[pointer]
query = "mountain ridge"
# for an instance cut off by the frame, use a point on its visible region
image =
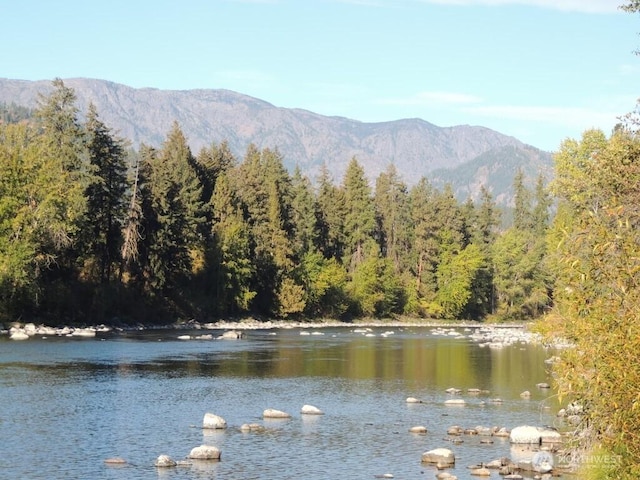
(305, 139)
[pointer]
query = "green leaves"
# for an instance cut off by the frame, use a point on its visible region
(597, 299)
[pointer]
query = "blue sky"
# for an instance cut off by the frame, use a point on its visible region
(540, 70)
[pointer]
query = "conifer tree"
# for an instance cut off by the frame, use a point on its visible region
(331, 205)
(391, 201)
(105, 196)
(359, 221)
(174, 213)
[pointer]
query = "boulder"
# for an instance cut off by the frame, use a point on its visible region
(446, 476)
(456, 402)
(549, 435)
(481, 472)
(413, 400)
(525, 394)
(439, 456)
(204, 452)
(310, 410)
(418, 429)
(525, 434)
(164, 461)
(84, 332)
(213, 421)
(273, 413)
(231, 335)
(18, 335)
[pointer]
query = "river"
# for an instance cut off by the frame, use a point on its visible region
(69, 403)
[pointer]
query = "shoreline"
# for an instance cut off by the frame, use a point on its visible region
(24, 331)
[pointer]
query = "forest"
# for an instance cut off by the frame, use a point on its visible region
(95, 231)
(92, 230)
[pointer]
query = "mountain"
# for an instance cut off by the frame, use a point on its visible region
(416, 147)
(496, 169)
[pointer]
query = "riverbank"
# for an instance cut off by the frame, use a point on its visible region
(492, 335)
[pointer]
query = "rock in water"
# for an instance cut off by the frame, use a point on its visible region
(525, 434)
(164, 461)
(311, 410)
(439, 456)
(204, 452)
(213, 421)
(273, 413)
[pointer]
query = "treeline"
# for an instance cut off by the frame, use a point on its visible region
(92, 230)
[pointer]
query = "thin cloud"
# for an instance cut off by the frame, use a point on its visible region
(586, 6)
(433, 98)
(575, 117)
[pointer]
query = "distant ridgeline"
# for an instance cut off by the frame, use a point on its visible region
(465, 156)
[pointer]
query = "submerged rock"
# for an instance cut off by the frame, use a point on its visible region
(165, 461)
(252, 427)
(418, 429)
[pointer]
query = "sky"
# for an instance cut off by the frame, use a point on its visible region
(539, 70)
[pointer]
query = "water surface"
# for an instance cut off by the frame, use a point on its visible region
(70, 403)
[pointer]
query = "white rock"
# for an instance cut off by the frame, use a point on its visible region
(418, 429)
(214, 421)
(413, 400)
(165, 461)
(84, 332)
(273, 413)
(204, 452)
(231, 335)
(525, 434)
(311, 410)
(18, 335)
(440, 456)
(459, 402)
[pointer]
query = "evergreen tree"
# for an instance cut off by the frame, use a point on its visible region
(359, 221)
(174, 214)
(332, 213)
(66, 158)
(105, 196)
(425, 247)
(232, 263)
(304, 216)
(391, 201)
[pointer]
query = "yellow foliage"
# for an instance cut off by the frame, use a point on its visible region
(597, 295)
